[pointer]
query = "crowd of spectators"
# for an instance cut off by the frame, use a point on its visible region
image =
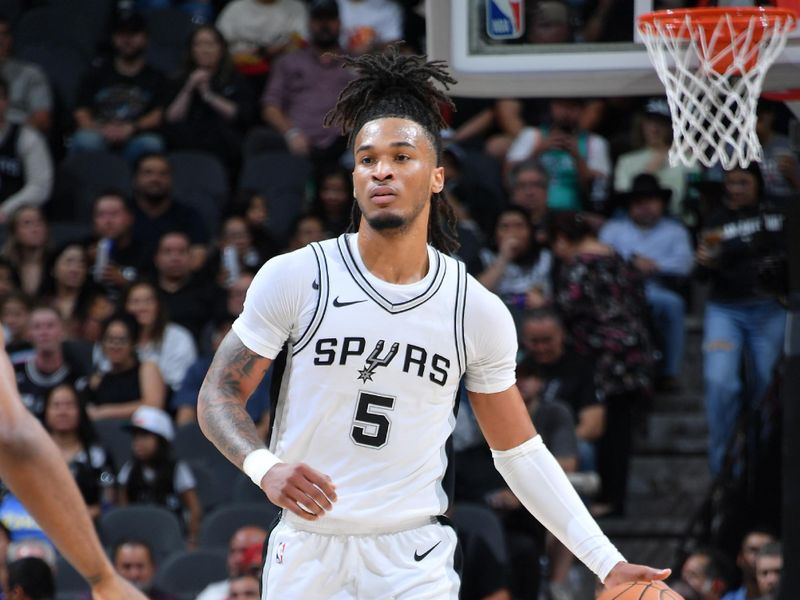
(566, 210)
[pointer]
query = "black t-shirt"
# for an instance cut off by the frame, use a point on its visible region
(116, 388)
(193, 304)
(111, 96)
(570, 380)
(178, 217)
(749, 237)
(34, 385)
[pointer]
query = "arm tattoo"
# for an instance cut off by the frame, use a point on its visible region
(231, 378)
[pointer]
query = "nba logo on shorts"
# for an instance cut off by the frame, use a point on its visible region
(504, 19)
(279, 553)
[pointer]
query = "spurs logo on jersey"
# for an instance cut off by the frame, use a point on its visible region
(331, 351)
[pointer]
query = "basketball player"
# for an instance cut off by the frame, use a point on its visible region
(31, 465)
(377, 329)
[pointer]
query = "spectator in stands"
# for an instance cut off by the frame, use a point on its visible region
(601, 299)
(122, 383)
(577, 161)
(259, 30)
(334, 200)
(739, 242)
(156, 211)
(528, 182)
(120, 102)
(26, 247)
(15, 312)
(112, 218)
(240, 560)
(38, 547)
(67, 287)
(707, 572)
(161, 341)
(769, 566)
(369, 25)
(99, 308)
(245, 587)
(779, 166)
(133, 559)
(234, 298)
(653, 157)
(30, 99)
(253, 207)
(565, 376)
(660, 249)
(238, 235)
(25, 164)
(153, 476)
(67, 422)
(210, 104)
(303, 87)
(188, 297)
(549, 22)
(516, 267)
(50, 365)
(30, 579)
(184, 402)
(306, 228)
(752, 543)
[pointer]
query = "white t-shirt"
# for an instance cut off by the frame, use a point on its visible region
(249, 24)
(372, 373)
(383, 17)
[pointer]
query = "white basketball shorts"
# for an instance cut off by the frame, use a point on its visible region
(410, 564)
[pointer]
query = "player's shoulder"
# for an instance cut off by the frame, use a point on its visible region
(480, 302)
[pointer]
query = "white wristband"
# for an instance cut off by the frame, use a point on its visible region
(257, 463)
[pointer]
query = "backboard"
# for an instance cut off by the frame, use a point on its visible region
(530, 48)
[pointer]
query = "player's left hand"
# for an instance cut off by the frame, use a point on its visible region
(624, 572)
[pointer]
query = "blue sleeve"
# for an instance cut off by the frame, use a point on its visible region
(190, 387)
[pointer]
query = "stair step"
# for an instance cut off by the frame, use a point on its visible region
(669, 476)
(644, 527)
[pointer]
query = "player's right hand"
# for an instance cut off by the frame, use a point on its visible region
(299, 489)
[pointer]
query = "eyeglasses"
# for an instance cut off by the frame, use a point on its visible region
(117, 340)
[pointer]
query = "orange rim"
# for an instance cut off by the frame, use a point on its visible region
(702, 18)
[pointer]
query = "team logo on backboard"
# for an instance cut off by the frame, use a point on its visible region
(375, 360)
(504, 19)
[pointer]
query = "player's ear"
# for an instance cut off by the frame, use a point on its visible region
(437, 180)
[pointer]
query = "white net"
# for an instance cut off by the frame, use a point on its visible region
(713, 75)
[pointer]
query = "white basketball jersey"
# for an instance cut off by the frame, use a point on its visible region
(367, 394)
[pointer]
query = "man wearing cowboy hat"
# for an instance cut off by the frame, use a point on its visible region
(660, 249)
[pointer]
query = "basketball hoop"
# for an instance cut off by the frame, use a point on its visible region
(712, 62)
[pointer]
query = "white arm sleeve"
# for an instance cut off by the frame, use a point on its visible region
(533, 474)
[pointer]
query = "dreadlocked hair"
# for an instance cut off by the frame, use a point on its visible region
(391, 84)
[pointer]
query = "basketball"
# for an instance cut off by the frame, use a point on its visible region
(641, 590)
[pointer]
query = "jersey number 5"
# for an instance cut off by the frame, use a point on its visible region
(371, 425)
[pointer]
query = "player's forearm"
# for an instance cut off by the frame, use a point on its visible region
(25, 448)
(233, 375)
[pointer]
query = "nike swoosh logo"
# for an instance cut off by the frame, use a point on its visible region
(315, 285)
(338, 304)
(419, 557)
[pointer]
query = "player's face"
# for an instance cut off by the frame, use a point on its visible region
(395, 174)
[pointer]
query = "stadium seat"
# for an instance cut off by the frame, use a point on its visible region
(64, 66)
(79, 178)
(199, 180)
(156, 525)
(193, 447)
(185, 574)
(245, 491)
(168, 31)
(115, 439)
(218, 527)
(209, 490)
(69, 583)
(56, 25)
(282, 178)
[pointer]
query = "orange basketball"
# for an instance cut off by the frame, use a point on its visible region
(641, 590)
